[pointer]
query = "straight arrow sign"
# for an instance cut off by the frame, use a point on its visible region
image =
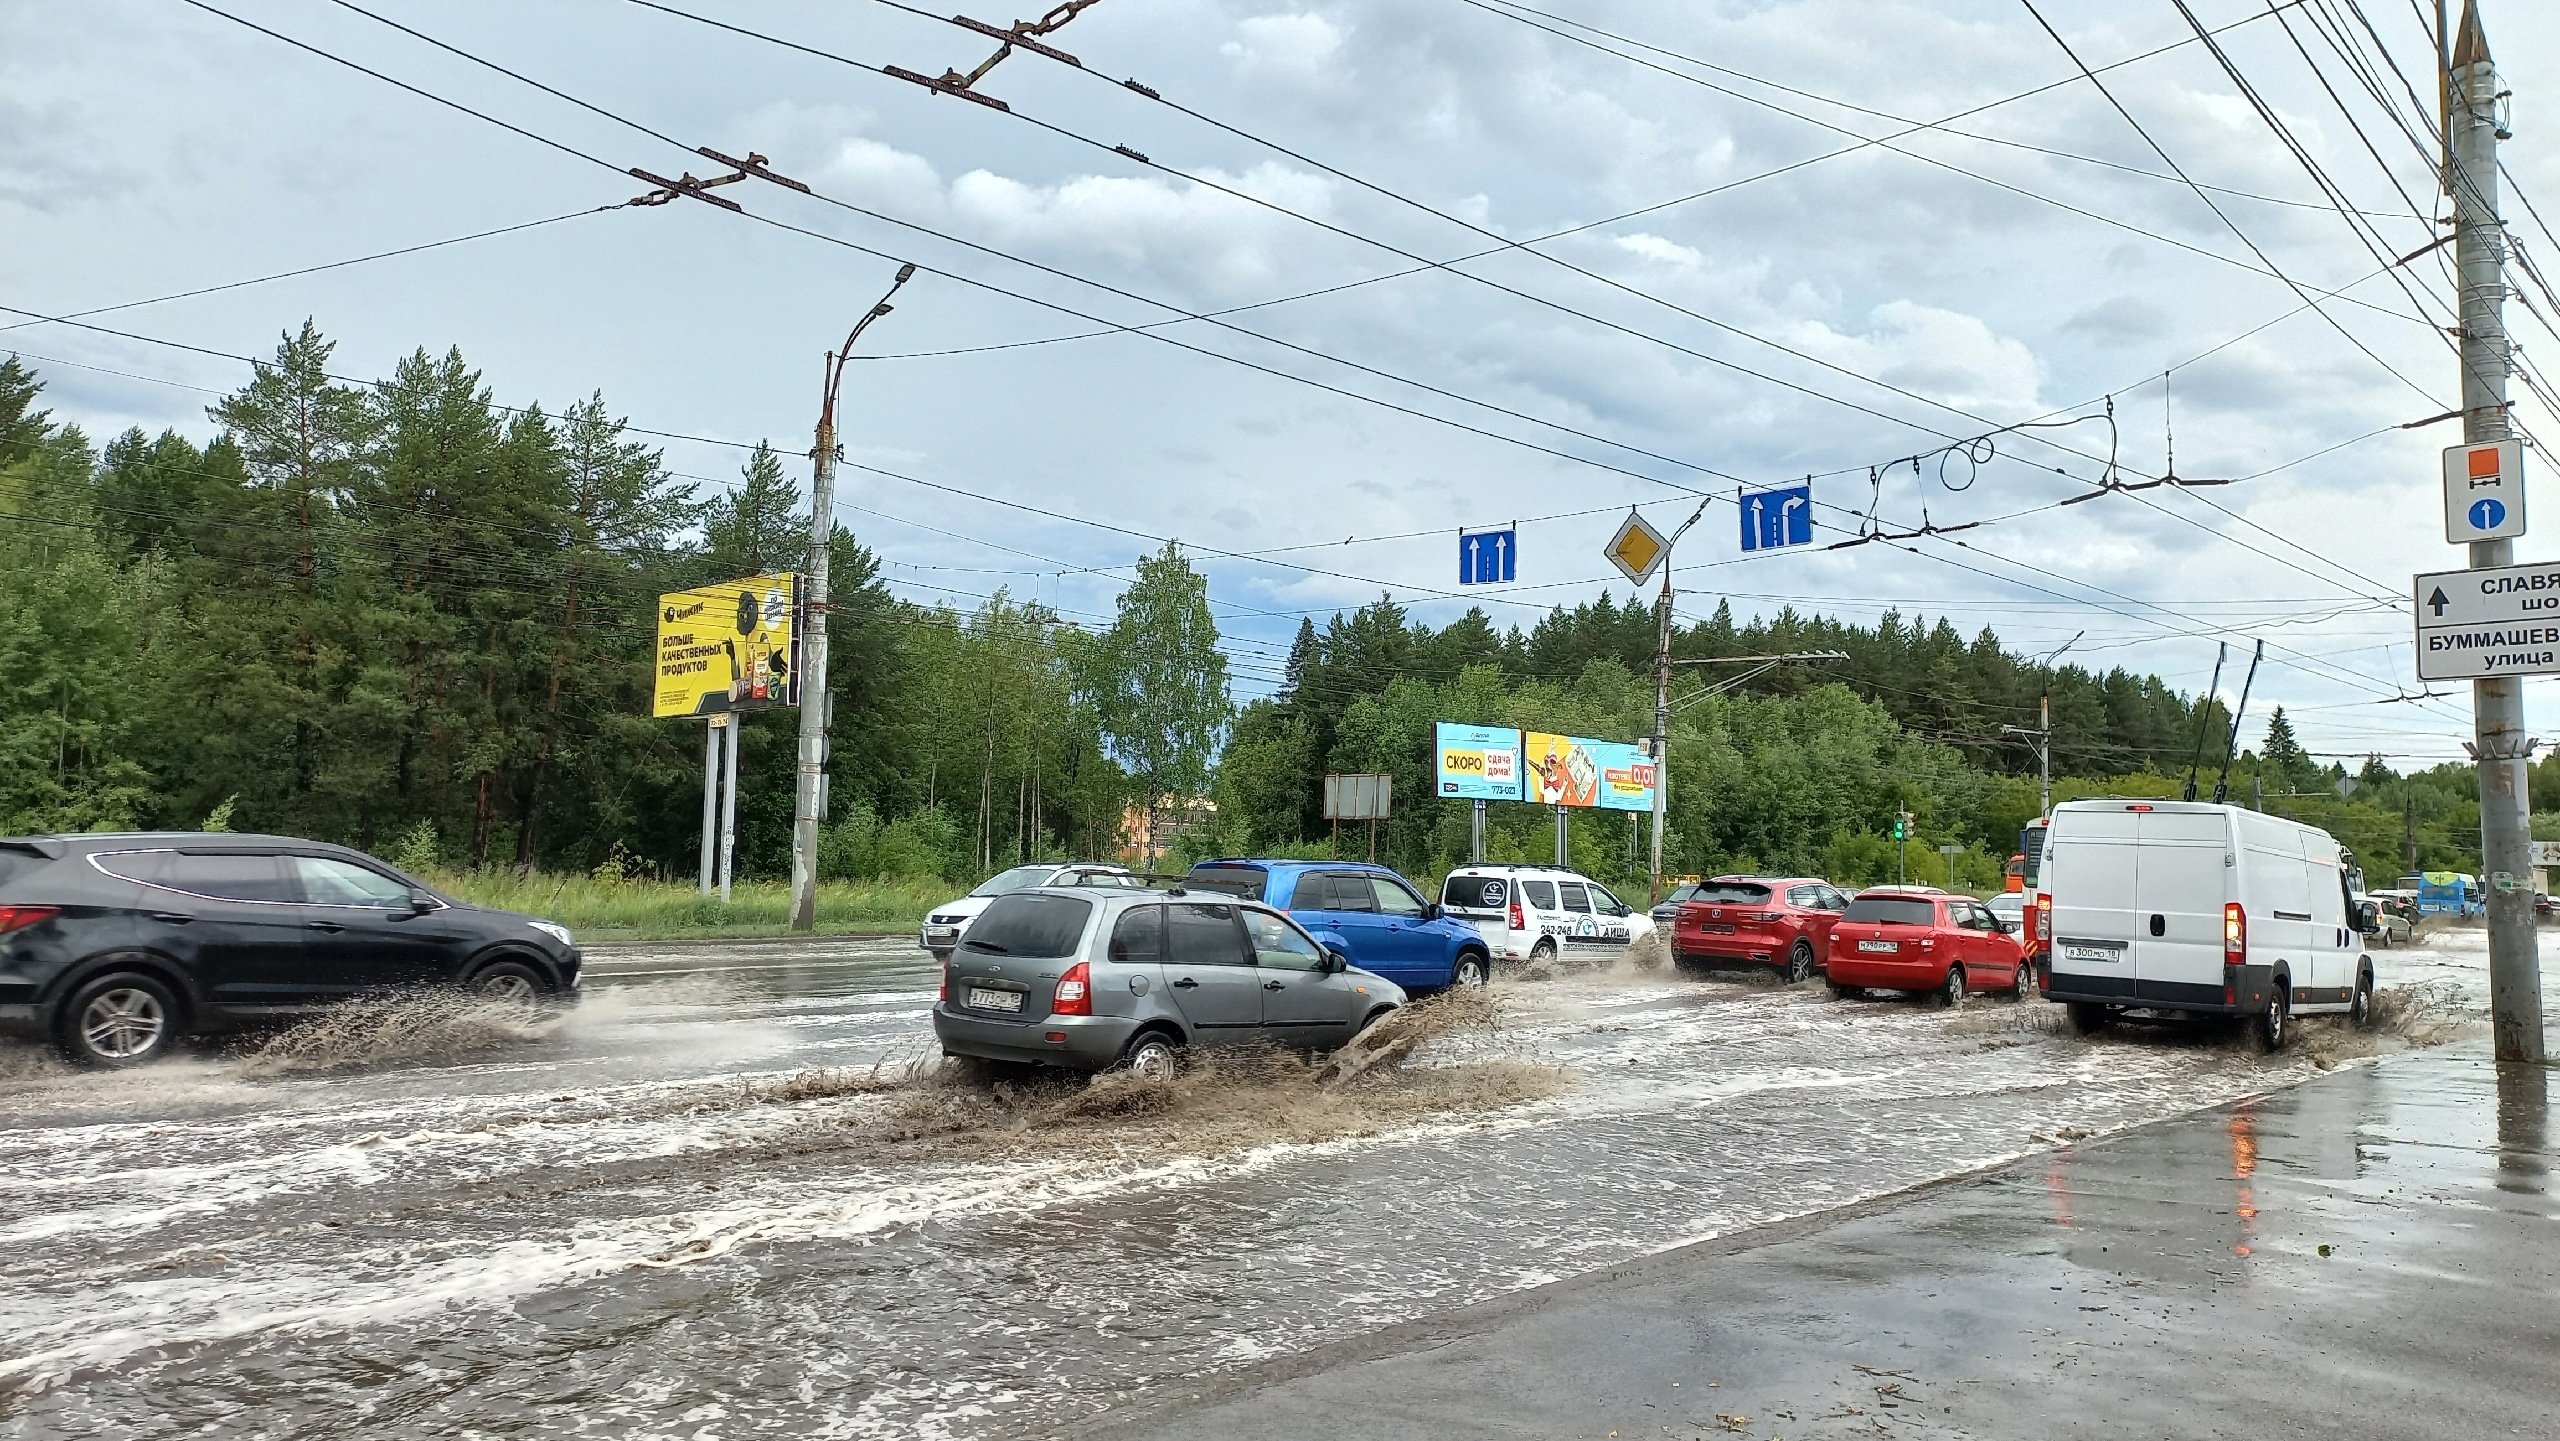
(2437, 602)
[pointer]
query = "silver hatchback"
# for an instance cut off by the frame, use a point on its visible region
(1089, 979)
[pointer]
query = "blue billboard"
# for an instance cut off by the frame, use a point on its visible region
(1477, 763)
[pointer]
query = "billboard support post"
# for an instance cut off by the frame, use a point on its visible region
(710, 800)
(729, 802)
(1561, 848)
(1475, 835)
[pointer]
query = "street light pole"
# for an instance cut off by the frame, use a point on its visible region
(2043, 733)
(1662, 709)
(810, 787)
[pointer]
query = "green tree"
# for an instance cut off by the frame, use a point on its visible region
(1157, 681)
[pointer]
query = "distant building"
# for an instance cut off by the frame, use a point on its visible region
(1147, 835)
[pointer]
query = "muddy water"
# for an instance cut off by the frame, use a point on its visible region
(689, 1209)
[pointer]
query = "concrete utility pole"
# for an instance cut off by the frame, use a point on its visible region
(2472, 134)
(809, 793)
(2042, 735)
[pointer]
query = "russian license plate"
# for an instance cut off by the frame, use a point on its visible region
(981, 999)
(1713, 929)
(2101, 954)
(1879, 945)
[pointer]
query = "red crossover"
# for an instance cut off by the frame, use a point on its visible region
(1762, 920)
(1903, 939)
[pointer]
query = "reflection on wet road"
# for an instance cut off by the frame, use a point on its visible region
(612, 1227)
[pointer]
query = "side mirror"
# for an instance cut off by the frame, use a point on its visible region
(1336, 961)
(420, 902)
(2368, 917)
(1431, 911)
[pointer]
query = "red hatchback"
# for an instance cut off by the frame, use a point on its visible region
(1904, 939)
(1760, 920)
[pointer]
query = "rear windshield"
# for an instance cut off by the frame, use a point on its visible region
(1020, 877)
(1731, 893)
(1886, 910)
(1475, 893)
(1685, 891)
(1245, 881)
(1040, 924)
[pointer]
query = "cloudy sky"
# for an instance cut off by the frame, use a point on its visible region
(1739, 291)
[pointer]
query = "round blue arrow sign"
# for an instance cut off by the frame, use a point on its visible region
(2488, 514)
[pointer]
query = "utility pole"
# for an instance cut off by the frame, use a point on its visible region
(2472, 134)
(1662, 708)
(2043, 733)
(2409, 831)
(808, 795)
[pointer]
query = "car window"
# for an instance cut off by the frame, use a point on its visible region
(1604, 900)
(1203, 935)
(1475, 893)
(1393, 898)
(1541, 894)
(1574, 897)
(330, 882)
(1019, 878)
(1732, 893)
(1278, 945)
(148, 867)
(1245, 882)
(1333, 891)
(1043, 924)
(232, 877)
(1833, 899)
(1137, 938)
(1892, 911)
(1805, 897)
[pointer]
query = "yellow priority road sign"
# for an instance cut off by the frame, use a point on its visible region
(1637, 548)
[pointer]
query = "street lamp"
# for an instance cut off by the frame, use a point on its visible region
(2042, 736)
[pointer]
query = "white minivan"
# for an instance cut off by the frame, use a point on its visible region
(1541, 913)
(2182, 909)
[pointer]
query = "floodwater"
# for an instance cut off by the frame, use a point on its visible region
(705, 1205)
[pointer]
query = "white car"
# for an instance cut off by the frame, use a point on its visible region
(1542, 913)
(942, 928)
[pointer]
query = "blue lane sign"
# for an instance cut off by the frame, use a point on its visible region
(1772, 519)
(2488, 514)
(1487, 557)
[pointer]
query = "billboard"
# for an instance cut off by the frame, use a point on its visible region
(1477, 763)
(1361, 796)
(1575, 771)
(734, 646)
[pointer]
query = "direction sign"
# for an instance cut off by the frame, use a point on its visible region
(2476, 623)
(1488, 556)
(2484, 491)
(1775, 518)
(1636, 549)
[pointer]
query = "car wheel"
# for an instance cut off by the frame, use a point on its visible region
(1800, 963)
(509, 983)
(1153, 1055)
(2360, 1010)
(120, 1020)
(1469, 972)
(1543, 953)
(2023, 987)
(2089, 1020)
(2273, 1026)
(1951, 990)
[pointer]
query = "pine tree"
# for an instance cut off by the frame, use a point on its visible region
(759, 527)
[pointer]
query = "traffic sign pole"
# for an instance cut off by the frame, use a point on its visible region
(2472, 100)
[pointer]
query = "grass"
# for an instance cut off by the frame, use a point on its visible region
(643, 910)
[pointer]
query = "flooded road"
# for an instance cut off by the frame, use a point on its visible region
(690, 1209)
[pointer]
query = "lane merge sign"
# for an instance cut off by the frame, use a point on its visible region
(2484, 491)
(2480, 623)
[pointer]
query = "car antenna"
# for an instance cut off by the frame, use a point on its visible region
(2204, 712)
(2222, 782)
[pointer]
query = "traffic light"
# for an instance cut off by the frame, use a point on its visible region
(1897, 827)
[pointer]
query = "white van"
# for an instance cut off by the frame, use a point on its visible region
(1540, 913)
(2182, 909)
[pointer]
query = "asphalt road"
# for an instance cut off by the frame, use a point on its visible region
(694, 1208)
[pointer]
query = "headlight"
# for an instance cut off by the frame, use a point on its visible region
(557, 933)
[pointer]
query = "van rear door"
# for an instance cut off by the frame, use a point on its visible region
(2090, 865)
(2185, 880)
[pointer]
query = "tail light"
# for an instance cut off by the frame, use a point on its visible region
(945, 993)
(1518, 921)
(14, 918)
(1761, 918)
(1075, 992)
(2044, 917)
(2235, 934)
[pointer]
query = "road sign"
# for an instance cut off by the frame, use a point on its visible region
(2476, 623)
(2484, 491)
(1772, 519)
(1636, 549)
(2546, 853)
(1488, 556)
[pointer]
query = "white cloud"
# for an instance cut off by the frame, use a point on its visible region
(1949, 356)
(1300, 47)
(1661, 251)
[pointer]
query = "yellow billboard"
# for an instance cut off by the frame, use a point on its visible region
(734, 646)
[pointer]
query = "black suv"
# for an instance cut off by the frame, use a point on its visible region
(114, 946)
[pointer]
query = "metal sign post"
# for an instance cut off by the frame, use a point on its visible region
(711, 799)
(729, 803)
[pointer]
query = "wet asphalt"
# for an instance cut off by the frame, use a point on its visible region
(605, 1226)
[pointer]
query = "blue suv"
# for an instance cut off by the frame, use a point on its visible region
(1369, 913)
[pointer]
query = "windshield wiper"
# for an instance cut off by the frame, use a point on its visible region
(987, 946)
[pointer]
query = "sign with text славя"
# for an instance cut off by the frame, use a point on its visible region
(2495, 622)
(1579, 772)
(729, 647)
(1477, 763)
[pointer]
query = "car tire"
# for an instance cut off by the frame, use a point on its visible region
(2360, 1010)
(2088, 1019)
(1840, 992)
(2023, 988)
(1799, 963)
(1469, 971)
(2272, 1027)
(119, 1020)
(509, 983)
(1152, 1055)
(1543, 953)
(1950, 993)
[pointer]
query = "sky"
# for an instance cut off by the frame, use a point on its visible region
(1739, 291)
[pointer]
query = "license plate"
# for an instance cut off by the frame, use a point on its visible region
(1879, 945)
(1711, 928)
(2102, 954)
(986, 1000)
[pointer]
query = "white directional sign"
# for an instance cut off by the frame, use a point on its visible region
(2484, 491)
(2476, 623)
